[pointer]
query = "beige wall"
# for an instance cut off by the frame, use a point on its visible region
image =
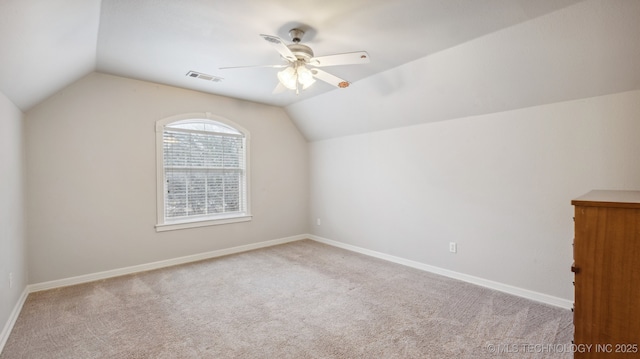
(499, 185)
(12, 239)
(91, 177)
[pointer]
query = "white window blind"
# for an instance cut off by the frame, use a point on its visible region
(204, 167)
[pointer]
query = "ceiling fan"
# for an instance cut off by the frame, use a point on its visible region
(301, 68)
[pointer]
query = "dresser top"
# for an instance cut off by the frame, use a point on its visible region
(609, 198)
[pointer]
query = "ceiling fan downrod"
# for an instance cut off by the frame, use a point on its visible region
(296, 35)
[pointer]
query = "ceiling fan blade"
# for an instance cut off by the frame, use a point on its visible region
(280, 46)
(329, 78)
(279, 88)
(348, 58)
(254, 66)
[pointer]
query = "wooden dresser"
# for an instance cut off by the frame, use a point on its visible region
(607, 274)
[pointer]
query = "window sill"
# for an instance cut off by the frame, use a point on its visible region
(171, 226)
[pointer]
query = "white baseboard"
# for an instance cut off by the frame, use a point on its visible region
(520, 292)
(4, 335)
(6, 331)
(156, 265)
(540, 297)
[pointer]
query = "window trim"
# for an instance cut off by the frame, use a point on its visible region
(161, 223)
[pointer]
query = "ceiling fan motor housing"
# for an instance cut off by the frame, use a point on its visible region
(301, 52)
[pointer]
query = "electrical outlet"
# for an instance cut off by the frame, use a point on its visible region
(318, 221)
(10, 279)
(453, 247)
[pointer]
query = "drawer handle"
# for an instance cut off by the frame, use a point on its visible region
(575, 269)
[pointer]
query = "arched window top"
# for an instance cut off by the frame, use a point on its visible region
(202, 121)
(205, 125)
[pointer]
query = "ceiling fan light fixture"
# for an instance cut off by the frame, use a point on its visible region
(288, 78)
(292, 75)
(305, 77)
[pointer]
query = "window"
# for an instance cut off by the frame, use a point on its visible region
(202, 172)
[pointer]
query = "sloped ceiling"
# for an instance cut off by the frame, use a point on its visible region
(430, 59)
(589, 49)
(44, 46)
(161, 40)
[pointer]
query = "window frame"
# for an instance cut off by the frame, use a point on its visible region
(162, 223)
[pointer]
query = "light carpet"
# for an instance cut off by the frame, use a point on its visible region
(298, 300)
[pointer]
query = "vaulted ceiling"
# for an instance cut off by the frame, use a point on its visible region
(444, 58)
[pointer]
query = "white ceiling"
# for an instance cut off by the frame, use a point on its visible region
(589, 49)
(440, 59)
(47, 44)
(161, 41)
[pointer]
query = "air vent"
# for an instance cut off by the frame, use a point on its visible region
(201, 76)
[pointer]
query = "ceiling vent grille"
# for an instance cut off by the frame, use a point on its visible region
(199, 75)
